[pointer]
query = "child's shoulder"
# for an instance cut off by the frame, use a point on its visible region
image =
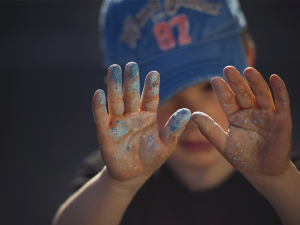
(295, 158)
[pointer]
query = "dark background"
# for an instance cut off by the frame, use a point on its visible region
(50, 67)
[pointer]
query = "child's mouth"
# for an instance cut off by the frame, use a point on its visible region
(192, 146)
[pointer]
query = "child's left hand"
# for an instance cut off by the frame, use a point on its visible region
(258, 140)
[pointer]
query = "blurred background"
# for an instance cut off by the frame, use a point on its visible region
(50, 66)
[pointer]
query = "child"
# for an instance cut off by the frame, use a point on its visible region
(236, 171)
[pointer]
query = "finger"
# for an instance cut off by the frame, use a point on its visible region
(211, 130)
(175, 127)
(114, 91)
(131, 87)
(150, 95)
(282, 102)
(263, 96)
(243, 93)
(101, 117)
(225, 96)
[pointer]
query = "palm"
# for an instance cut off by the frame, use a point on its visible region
(129, 138)
(135, 145)
(258, 140)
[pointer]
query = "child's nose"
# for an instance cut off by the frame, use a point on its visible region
(192, 105)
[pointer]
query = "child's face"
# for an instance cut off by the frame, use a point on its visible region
(193, 150)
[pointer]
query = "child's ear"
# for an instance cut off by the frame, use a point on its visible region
(249, 47)
(251, 53)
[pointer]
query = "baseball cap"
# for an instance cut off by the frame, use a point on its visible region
(187, 42)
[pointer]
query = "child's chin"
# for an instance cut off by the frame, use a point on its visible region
(195, 147)
(196, 159)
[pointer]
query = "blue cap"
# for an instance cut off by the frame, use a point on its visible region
(187, 42)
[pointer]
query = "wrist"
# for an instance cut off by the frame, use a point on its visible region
(126, 187)
(267, 184)
(282, 191)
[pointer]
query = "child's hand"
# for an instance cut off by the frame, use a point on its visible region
(130, 142)
(258, 140)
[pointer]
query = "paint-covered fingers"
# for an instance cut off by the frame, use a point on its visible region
(225, 96)
(131, 87)
(175, 127)
(211, 130)
(150, 95)
(99, 110)
(243, 93)
(282, 102)
(263, 96)
(114, 91)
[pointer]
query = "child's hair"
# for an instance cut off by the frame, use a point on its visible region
(187, 42)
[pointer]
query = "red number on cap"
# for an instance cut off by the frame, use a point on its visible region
(164, 34)
(183, 28)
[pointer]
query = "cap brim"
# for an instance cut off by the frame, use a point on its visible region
(187, 67)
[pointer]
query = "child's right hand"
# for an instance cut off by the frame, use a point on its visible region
(129, 138)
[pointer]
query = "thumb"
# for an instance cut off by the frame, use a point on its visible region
(174, 127)
(211, 130)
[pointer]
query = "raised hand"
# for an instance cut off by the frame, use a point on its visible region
(129, 138)
(258, 140)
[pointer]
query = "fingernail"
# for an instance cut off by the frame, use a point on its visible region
(154, 83)
(134, 69)
(101, 99)
(196, 115)
(181, 116)
(154, 79)
(115, 71)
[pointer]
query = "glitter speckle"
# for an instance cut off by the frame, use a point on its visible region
(246, 120)
(151, 137)
(238, 145)
(234, 158)
(118, 132)
(254, 121)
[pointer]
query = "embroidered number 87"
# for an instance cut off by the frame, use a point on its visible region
(164, 34)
